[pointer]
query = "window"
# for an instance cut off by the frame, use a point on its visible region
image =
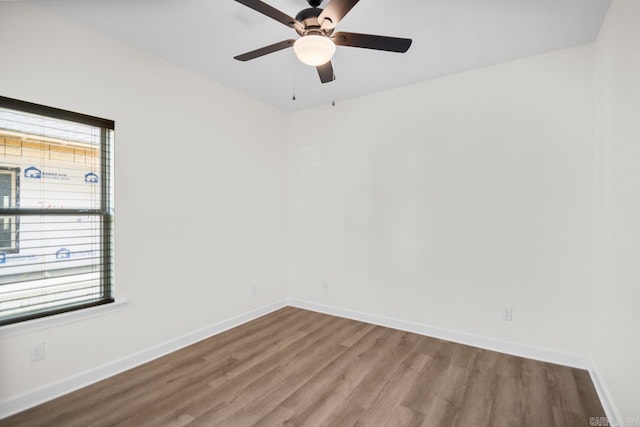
(56, 211)
(9, 190)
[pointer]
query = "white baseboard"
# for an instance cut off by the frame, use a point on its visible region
(609, 406)
(42, 394)
(494, 344)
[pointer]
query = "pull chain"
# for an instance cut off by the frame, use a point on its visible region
(293, 69)
(333, 84)
(333, 90)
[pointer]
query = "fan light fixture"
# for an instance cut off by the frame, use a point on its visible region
(317, 42)
(314, 50)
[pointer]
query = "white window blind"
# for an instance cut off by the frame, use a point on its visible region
(56, 211)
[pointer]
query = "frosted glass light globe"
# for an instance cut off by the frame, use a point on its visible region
(314, 50)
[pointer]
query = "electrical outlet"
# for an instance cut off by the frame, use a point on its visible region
(36, 352)
(507, 314)
(254, 290)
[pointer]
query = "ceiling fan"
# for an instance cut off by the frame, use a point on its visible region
(317, 42)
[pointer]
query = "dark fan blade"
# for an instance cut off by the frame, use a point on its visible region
(325, 71)
(334, 12)
(265, 50)
(368, 41)
(271, 12)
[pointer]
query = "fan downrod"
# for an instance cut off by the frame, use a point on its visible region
(314, 3)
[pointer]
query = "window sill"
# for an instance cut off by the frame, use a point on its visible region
(61, 319)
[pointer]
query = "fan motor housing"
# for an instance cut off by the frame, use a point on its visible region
(309, 19)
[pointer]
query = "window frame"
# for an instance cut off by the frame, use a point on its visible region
(105, 213)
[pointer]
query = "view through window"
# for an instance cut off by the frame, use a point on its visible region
(56, 211)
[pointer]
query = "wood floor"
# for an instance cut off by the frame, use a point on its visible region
(301, 368)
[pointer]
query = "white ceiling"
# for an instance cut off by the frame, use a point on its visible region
(449, 36)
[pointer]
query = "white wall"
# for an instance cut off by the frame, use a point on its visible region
(438, 203)
(442, 202)
(188, 251)
(616, 342)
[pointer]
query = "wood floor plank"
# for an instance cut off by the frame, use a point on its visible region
(300, 363)
(329, 388)
(564, 397)
(297, 353)
(443, 400)
(299, 395)
(371, 385)
(261, 352)
(395, 390)
(198, 398)
(301, 368)
(536, 410)
(63, 411)
(252, 340)
(444, 403)
(405, 417)
(480, 391)
(509, 393)
(587, 393)
(122, 407)
(430, 378)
